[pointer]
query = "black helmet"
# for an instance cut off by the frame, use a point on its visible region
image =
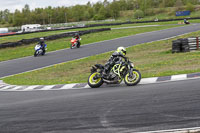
(76, 34)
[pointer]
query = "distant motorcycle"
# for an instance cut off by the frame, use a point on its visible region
(75, 43)
(186, 21)
(122, 70)
(39, 50)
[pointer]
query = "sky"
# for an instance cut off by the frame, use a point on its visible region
(19, 4)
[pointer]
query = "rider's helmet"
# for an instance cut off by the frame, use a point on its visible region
(76, 35)
(41, 39)
(121, 50)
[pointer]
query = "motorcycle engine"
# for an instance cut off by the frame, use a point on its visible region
(112, 75)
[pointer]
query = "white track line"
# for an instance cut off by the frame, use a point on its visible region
(148, 80)
(178, 77)
(30, 88)
(68, 86)
(6, 87)
(181, 130)
(48, 87)
(15, 89)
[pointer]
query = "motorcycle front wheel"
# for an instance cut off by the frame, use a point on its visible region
(134, 80)
(94, 82)
(36, 53)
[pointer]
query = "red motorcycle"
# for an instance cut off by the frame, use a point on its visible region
(75, 43)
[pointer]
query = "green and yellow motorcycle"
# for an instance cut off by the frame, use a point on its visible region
(122, 70)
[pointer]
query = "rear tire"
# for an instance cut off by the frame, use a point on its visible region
(43, 53)
(94, 83)
(136, 78)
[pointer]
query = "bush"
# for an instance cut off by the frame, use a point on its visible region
(160, 10)
(98, 17)
(150, 12)
(190, 7)
(139, 14)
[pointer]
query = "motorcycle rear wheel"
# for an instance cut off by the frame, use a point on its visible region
(43, 53)
(94, 83)
(134, 80)
(78, 45)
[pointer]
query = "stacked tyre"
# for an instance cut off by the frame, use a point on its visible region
(185, 45)
(180, 45)
(176, 46)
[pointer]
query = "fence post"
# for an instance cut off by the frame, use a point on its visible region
(197, 41)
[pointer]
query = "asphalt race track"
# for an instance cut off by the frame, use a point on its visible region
(110, 109)
(30, 63)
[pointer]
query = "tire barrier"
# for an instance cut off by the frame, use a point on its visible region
(52, 37)
(95, 25)
(185, 44)
(180, 45)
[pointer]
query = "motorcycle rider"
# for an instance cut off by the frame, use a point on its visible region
(42, 44)
(77, 36)
(186, 21)
(116, 56)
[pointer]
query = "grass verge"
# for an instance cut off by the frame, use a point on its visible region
(152, 59)
(28, 50)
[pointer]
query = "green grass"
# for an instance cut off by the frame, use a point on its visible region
(28, 50)
(152, 59)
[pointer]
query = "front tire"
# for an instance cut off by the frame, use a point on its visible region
(134, 80)
(36, 53)
(94, 83)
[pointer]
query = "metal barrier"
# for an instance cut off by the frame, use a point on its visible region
(193, 43)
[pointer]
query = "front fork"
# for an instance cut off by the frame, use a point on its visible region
(93, 70)
(131, 73)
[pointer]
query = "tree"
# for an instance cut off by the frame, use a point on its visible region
(190, 7)
(178, 3)
(102, 13)
(26, 14)
(139, 14)
(114, 9)
(18, 21)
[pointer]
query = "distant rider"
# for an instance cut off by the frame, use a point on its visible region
(186, 22)
(42, 44)
(77, 36)
(115, 57)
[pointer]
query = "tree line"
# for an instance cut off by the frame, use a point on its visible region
(90, 11)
